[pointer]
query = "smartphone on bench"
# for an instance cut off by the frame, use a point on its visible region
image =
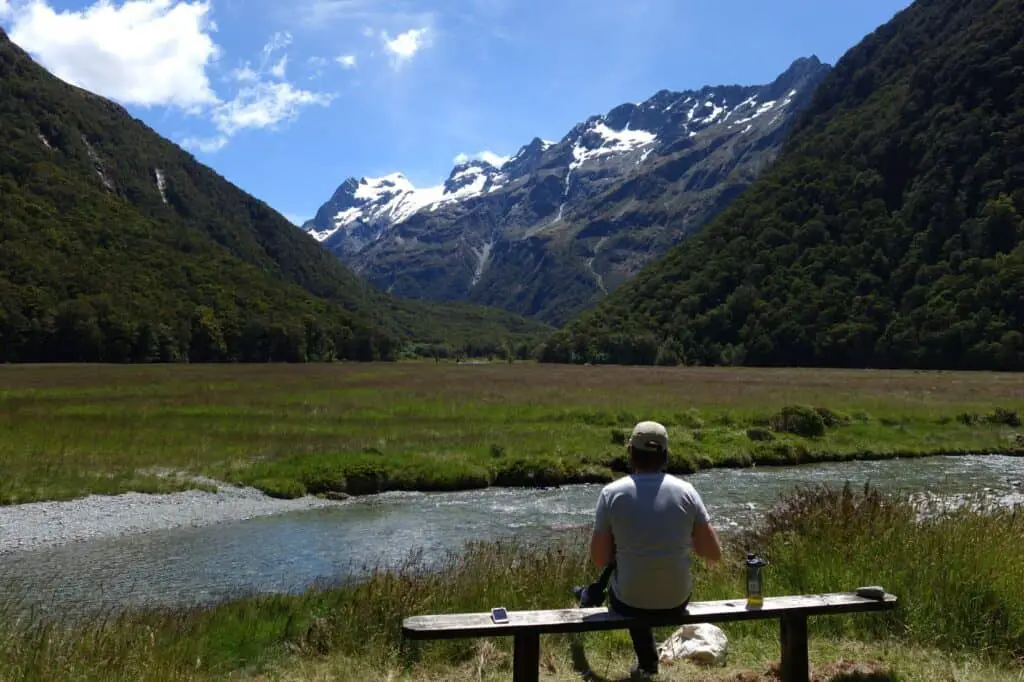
(499, 615)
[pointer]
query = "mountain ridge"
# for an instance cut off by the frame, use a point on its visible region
(470, 237)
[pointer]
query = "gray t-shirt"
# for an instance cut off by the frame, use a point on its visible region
(651, 518)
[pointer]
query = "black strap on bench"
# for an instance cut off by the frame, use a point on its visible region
(594, 593)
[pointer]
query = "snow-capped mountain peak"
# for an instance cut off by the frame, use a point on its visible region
(469, 179)
(598, 152)
(361, 210)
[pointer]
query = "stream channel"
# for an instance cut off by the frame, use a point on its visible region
(289, 552)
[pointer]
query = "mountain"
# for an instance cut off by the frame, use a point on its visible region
(116, 245)
(887, 234)
(560, 224)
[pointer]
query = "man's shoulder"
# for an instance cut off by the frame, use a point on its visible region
(680, 484)
(619, 484)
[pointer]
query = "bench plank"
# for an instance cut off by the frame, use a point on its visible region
(457, 625)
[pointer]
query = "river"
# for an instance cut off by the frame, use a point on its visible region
(291, 551)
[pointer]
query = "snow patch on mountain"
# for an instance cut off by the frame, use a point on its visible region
(483, 256)
(161, 183)
(100, 170)
(611, 142)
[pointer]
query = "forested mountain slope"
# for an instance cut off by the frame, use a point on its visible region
(116, 245)
(888, 232)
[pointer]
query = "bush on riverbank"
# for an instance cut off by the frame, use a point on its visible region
(794, 435)
(957, 572)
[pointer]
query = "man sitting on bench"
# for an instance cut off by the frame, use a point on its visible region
(647, 523)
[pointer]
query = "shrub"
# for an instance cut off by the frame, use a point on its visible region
(799, 420)
(1003, 416)
(759, 434)
(832, 418)
(281, 488)
(779, 452)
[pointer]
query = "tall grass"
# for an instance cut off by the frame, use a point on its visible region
(67, 431)
(958, 573)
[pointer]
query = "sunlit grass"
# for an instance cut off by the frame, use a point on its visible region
(957, 574)
(70, 430)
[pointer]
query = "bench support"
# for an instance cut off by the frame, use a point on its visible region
(794, 664)
(526, 657)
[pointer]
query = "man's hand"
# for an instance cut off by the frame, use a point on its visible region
(602, 548)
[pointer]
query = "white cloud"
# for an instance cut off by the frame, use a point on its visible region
(261, 102)
(496, 160)
(404, 46)
(264, 105)
(207, 145)
(143, 52)
(157, 53)
(245, 74)
(5, 9)
(347, 61)
(277, 70)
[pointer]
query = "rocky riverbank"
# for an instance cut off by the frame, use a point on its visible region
(46, 524)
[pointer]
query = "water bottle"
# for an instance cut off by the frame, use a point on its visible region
(755, 581)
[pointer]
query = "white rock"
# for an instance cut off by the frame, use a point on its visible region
(701, 643)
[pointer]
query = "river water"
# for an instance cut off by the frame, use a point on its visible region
(290, 552)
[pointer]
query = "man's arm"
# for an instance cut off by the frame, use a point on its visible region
(602, 548)
(602, 544)
(705, 539)
(706, 543)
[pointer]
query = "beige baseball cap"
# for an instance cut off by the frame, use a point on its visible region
(650, 437)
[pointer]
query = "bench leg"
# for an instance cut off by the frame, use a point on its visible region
(526, 658)
(795, 667)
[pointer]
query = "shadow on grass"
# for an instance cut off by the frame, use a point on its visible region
(833, 671)
(849, 671)
(582, 666)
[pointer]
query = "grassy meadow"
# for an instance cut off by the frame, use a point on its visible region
(71, 430)
(290, 430)
(958, 575)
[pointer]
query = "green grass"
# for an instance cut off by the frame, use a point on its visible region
(957, 574)
(66, 431)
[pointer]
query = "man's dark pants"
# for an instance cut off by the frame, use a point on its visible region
(643, 635)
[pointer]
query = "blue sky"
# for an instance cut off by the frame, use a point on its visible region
(287, 98)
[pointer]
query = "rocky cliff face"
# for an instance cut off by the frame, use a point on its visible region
(561, 224)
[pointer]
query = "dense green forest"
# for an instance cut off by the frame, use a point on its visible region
(887, 234)
(117, 246)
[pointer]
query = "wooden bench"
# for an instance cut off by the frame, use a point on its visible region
(527, 626)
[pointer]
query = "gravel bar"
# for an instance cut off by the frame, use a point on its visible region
(47, 524)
